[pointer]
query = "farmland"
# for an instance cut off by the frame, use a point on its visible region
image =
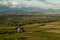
(36, 27)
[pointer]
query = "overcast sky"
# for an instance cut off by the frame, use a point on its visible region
(55, 4)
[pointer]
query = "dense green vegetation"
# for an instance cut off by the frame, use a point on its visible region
(37, 27)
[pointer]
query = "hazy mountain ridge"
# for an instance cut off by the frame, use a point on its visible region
(26, 9)
(4, 10)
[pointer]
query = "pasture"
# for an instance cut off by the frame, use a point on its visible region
(37, 27)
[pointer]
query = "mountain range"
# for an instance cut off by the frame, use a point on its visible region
(4, 8)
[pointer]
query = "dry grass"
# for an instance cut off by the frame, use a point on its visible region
(54, 31)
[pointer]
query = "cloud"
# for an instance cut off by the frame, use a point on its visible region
(28, 0)
(41, 0)
(51, 3)
(10, 4)
(54, 5)
(30, 3)
(3, 3)
(14, 4)
(3, 0)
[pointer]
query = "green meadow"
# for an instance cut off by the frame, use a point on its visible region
(37, 27)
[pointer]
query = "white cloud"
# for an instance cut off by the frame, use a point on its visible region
(3, 3)
(41, 0)
(30, 3)
(10, 4)
(14, 4)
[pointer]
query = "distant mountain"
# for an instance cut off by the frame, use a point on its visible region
(4, 8)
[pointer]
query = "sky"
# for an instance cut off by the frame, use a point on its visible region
(55, 4)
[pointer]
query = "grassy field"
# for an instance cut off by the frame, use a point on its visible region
(39, 27)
